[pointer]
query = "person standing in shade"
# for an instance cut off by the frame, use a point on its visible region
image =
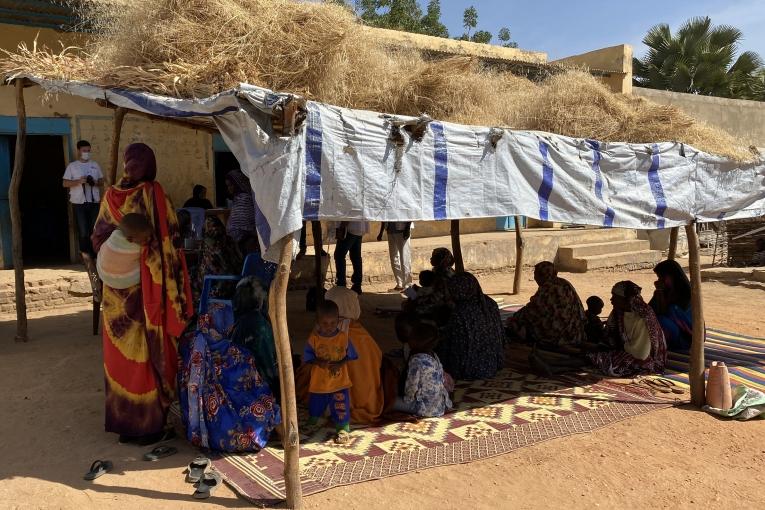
(399, 233)
(83, 178)
(349, 236)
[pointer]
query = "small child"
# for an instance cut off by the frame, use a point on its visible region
(425, 392)
(119, 259)
(329, 349)
(594, 326)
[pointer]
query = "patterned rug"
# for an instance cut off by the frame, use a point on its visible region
(744, 356)
(490, 418)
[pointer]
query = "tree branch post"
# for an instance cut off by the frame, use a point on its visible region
(673, 243)
(696, 366)
(277, 309)
(457, 246)
(518, 255)
(114, 152)
(15, 186)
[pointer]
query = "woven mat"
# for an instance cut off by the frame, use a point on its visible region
(490, 418)
(743, 355)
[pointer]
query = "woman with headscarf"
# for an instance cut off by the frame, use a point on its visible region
(253, 330)
(142, 323)
(241, 221)
(367, 396)
(554, 317)
(672, 304)
(472, 343)
(634, 330)
(219, 256)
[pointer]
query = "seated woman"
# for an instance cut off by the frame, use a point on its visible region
(472, 342)
(199, 198)
(636, 342)
(431, 301)
(219, 256)
(554, 317)
(226, 405)
(367, 397)
(252, 329)
(672, 304)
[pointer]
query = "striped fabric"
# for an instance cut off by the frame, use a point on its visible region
(744, 356)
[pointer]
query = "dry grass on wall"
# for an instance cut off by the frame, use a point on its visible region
(195, 48)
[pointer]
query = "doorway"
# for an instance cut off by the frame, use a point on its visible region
(44, 201)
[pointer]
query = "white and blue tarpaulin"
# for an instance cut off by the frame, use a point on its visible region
(358, 165)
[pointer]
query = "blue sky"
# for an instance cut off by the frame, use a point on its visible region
(562, 28)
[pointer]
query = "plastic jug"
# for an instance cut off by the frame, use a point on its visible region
(718, 386)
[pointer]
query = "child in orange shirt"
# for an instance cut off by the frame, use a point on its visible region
(329, 349)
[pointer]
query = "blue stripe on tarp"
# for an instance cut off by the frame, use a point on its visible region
(261, 224)
(608, 219)
(162, 110)
(441, 158)
(313, 143)
(545, 189)
(656, 188)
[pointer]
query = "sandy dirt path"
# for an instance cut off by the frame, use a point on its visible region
(51, 428)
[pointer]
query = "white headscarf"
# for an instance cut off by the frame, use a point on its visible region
(347, 302)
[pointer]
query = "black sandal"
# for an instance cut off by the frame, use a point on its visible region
(160, 452)
(196, 469)
(98, 468)
(207, 485)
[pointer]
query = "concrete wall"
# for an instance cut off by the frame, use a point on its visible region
(613, 66)
(742, 119)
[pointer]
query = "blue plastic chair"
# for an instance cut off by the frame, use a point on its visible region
(254, 265)
(205, 300)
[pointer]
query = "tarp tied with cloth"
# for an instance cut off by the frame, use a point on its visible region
(360, 165)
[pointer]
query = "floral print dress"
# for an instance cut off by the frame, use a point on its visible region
(225, 403)
(425, 390)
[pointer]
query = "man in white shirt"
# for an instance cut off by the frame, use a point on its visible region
(399, 233)
(349, 235)
(83, 178)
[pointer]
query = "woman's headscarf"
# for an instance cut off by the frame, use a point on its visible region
(347, 302)
(626, 289)
(615, 324)
(681, 286)
(544, 272)
(239, 181)
(220, 256)
(140, 165)
(198, 190)
(442, 258)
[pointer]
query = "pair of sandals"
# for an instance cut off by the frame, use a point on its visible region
(660, 385)
(101, 467)
(205, 482)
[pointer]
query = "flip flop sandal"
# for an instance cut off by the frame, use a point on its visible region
(655, 385)
(197, 468)
(343, 437)
(670, 385)
(160, 452)
(207, 485)
(98, 468)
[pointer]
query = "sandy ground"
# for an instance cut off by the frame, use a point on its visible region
(51, 429)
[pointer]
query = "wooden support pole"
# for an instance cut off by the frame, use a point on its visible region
(518, 255)
(696, 370)
(277, 309)
(457, 246)
(673, 243)
(15, 186)
(114, 153)
(317, 247)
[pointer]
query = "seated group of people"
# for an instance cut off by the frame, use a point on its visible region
(635, 338)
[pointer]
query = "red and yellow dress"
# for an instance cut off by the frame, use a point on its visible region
(142, 323)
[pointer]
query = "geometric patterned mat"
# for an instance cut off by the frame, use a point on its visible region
(490, 418)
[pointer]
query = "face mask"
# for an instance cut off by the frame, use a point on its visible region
(85, 156)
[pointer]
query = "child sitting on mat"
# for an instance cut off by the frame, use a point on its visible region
(329, 349)
(119, 259)
(594, 326)
(425, 392)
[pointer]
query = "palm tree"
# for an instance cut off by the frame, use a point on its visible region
(699, 59)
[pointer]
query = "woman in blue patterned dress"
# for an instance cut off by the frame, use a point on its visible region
(226, 404)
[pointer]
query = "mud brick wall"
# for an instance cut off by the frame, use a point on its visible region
(47, 294)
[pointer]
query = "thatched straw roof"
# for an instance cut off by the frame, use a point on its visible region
(194, 48)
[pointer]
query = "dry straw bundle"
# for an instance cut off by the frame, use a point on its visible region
(194, 48)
